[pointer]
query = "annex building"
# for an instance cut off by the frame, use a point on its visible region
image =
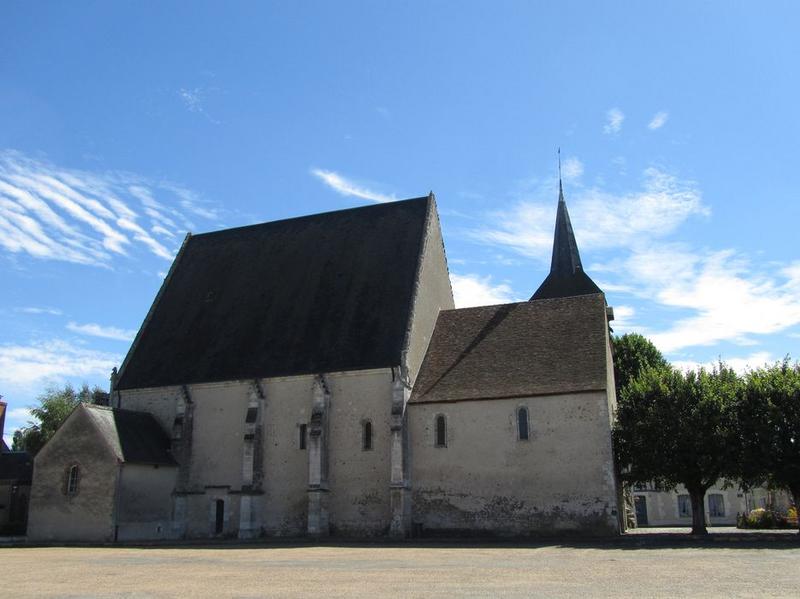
(311, 376)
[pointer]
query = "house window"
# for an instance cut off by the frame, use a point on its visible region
(302, 431)
(522, 424)
(72, 480)
(441, 431)
(684, 506)
(716, 505)
(366, 436)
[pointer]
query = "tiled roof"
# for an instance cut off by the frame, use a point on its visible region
(531, 348)
(319, 293)
(135, 437)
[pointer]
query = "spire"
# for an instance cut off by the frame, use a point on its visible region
(566, 260)
(566, 276)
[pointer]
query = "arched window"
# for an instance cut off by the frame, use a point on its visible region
(522, 424)
(366, 435)
(441, 431)
(72, 480)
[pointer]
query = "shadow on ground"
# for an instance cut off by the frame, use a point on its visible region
(639, 540)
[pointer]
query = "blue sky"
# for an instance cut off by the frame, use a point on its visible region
(125, 124)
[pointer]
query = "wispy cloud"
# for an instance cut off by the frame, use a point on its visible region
(572, 169)
(710, 295)
(658, 120)
(601, 219)
(96, 330)
(614, 119)
(40, 310)
(728, 299)
(54, 213)
(474, 290)
(623, 317)
(194, 100)
(31, 366)
(347, 187)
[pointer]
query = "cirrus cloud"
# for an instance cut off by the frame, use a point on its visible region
(346, 187)
(54, 213)
(105, 332)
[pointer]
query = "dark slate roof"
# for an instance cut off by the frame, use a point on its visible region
(566, 276)
(16, 465)
(135, 437)
(545, 347)
(319, 293)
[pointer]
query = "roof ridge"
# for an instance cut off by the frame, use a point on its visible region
(375, 206)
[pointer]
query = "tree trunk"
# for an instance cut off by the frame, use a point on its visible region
(697, 496)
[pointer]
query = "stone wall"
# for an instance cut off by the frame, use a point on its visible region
(432, 293)
(488, 481)
(87, 515)
(145, 502)
(275, 499)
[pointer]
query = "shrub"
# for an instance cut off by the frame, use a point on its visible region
(761, 518)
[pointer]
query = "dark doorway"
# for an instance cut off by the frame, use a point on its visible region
(220, 521)
(640, 501)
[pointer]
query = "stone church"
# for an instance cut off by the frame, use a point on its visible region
(311, 376)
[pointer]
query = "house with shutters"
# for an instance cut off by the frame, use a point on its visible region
(311, 377)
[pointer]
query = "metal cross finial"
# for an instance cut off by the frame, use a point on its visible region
(559, 164)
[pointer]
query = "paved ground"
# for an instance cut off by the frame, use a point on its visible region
(642, 566)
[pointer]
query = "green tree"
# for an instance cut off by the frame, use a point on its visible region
(675, 428)
(768, 424)
(55, 404)
(633, 353)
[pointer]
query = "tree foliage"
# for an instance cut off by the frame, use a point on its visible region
(675, 428)
(54, 405)
(768, 426)
(633, 353)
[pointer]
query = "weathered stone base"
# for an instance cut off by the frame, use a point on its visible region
(400, 499)
(437, 513)
(250, 509)
(318, 512)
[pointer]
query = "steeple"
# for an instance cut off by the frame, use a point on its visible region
(566, 276)
(566, 259)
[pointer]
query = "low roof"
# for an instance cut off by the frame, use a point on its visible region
(542, 347)
(320, 293)
(16, 466)
(135, 437)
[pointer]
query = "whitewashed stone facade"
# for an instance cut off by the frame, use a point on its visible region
(320, 436)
